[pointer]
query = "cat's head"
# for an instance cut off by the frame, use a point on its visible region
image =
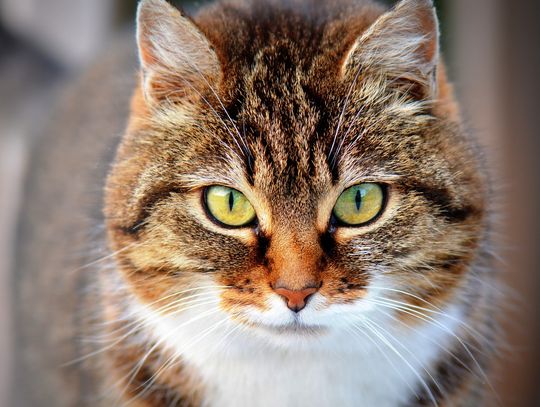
(294, 165)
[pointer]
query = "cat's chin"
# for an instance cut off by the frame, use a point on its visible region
(293, 330)
(289, 337)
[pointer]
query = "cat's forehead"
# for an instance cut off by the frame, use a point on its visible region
(287, 112)
(284, 125)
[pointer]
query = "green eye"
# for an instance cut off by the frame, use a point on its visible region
(359, 204)
(229, 206)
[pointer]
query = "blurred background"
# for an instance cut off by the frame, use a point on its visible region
(493, 52)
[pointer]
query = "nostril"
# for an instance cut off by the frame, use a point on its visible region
(296, 299)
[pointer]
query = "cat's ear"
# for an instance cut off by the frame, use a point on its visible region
(402, 44)
(176, 58)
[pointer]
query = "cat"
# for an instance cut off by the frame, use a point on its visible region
(296, 215)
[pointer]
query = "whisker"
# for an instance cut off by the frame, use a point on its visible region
(419, 315)
(418, 332)
(245, 148)
(395, 351)
(136, 369)
(383, 353)
(344, 137)
(406, 293)
(174, 358)
(108, 256)
(466, 346)
(341, 116)
(383, 330)
(202, 299)
(174, 294)
(462, 323)
(433, 321)
(138, 326)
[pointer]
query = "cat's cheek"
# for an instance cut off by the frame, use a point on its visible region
(341, 296)
(246, 289)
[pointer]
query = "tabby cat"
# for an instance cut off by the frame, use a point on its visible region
(296, 214)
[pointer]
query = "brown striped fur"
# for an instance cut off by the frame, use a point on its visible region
(291, 102)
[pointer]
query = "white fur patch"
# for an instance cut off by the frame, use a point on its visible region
(346, 365)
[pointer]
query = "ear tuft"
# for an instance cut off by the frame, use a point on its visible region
(403, 44)
(176, 58)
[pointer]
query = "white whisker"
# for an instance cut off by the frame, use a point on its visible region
(395, 351)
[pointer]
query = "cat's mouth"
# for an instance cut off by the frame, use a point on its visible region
(294, 328)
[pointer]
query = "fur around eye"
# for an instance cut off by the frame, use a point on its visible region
(359, 204)
(228, 206)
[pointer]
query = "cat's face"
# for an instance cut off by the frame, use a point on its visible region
(292, 196)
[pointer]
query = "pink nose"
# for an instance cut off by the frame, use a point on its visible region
(295, 299)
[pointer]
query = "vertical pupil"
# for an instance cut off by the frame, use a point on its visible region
(231, 201)
(358, 199)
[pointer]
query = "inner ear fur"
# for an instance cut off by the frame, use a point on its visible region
(177, 60)
(403, 45)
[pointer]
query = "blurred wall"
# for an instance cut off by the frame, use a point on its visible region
(519, 91)
(42, 44)
(496, 61)
(70, 31)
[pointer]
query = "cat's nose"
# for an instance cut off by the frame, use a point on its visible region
(296, 299)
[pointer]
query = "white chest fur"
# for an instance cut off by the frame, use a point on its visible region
(306, 380)
(348, 367)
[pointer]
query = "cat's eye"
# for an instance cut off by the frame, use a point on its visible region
(228, 206)
(359, 204)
